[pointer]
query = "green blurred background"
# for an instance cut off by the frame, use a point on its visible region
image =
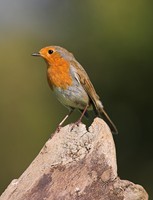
(113, 42)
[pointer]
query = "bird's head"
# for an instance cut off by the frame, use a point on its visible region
(54, 54)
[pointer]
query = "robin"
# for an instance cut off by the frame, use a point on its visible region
(71, 84)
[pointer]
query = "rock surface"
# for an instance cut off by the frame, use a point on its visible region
(77, 164)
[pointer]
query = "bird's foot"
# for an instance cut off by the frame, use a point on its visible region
(75, 124)
(58, 129)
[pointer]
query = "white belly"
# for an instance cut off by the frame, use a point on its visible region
(74, 97)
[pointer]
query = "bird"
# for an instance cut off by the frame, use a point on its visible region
(71, 85)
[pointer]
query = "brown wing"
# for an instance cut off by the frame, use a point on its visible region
(87, 85)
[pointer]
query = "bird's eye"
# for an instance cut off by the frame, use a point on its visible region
(50, 51)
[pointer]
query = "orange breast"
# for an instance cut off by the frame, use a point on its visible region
(59, 73)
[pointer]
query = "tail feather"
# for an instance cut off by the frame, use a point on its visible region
(99, 110)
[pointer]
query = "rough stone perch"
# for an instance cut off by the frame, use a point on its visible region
(76, 164)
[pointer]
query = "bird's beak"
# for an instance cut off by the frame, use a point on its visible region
(36, 54)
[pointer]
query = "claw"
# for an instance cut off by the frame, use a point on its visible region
(75, 124)
(58, 129)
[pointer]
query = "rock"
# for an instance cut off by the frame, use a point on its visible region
(77, 164)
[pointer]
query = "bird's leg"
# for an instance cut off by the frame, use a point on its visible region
(80, 119)
(60, 124)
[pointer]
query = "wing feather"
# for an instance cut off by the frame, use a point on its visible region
(87, 85)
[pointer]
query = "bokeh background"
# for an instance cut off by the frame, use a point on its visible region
(113, 41)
